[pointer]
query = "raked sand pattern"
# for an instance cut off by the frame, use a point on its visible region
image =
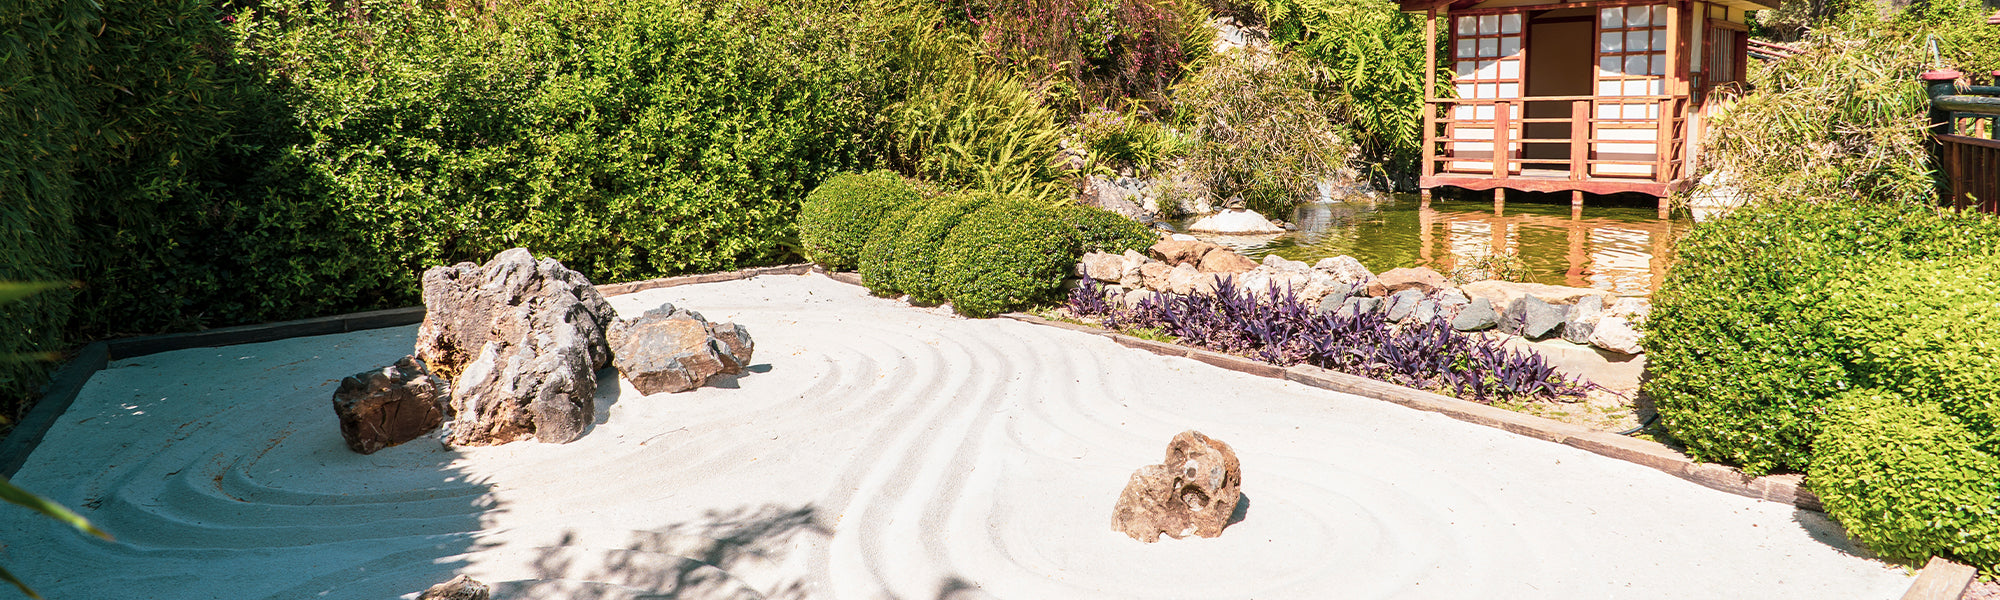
(876, 451)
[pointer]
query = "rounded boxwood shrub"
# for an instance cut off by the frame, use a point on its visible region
(1009, 254)
(1909, 480)
(878, 256)
(1100, 230)
(838, 216)
(1926, 329)
(915, 264)
(1739, 361)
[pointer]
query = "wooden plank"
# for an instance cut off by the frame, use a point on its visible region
(1579, 139)
(1501, 131)
(1941, 580)
(1596, 186)
(1430, 87)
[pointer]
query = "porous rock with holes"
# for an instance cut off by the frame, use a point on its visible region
(1194, 491)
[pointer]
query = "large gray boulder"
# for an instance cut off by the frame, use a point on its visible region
(388, 406)
(672, 350)
(521, 341)
(1402, 304)
(1476, 316)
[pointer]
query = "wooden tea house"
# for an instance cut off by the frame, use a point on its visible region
(1590, 97)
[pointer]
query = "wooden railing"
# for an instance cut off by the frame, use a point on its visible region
(1970, 166)
(1442, 122)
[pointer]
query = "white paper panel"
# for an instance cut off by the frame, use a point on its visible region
(1461, 112)
(1489, 69)
(1489, 24)
(1466, 26)
(1637, 41)
(1489, 47)
(1466, 49)
(1608, 65)
(1483, 112)
(1510, 23)
(1610, 41)
(1465, 90)
(1607, 88)
(1510, 90)
(1633, 111)
(1510, 69)
(1638, 16)
(1510, 45)
(1636, 64)
(1635, 87)
(1465, 68)
(1660, 16)
(1659, 64)
(1611, 18)
(1486, 91)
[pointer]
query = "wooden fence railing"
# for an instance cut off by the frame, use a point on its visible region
(1970, 165)
(1503, 139)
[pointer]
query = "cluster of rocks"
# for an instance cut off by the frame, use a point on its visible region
(1194, 491)
(510, 350)
(1342, 285)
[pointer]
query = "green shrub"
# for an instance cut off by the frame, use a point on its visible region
(878, 256)
(1372, 54)
(43, 68)
(1099, 230)
(1122, 138)
(1739, 354)
(1927, 329)
(1011, 253)
(1909, 480)
(1260, 131)
(839, 216)
(982, 130)
(916, 261)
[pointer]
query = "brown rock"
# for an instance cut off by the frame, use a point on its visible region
(521, 341)
(1422, 279)
(1194, 492)
(459, 588)
(1175, 252)
(1102, 267)
(389, 406)
(1224, 260)
(1154, 275)
(670, 350)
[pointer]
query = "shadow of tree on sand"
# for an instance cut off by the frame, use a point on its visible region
(696, 559)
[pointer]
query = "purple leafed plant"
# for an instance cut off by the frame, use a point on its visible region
(1279, 328)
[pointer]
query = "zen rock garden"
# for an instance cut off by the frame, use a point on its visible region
(1342, 284)
(509, 351)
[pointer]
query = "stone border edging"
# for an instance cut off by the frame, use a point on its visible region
(1941, 579)
(1783, 489)
(68, 381)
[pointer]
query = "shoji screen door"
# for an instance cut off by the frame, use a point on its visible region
(1487, 53)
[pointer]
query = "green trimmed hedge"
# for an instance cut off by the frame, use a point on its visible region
(1011, 253)
(878, 256)
(915, 266)
(1740, 359)
(1100, 230)
(1909, 479)
(840, 215)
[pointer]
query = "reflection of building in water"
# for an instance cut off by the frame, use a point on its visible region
(1615, 256)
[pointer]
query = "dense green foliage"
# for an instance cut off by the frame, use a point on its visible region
(985, 130)
(1910, 480)
(878, 255)
(1261, 131)
(839, 216)
(1093, 52)
(1927, 329)
(1741, 357)
(42, 73)
(1010, 253)
(915, 266)
(1372, 55)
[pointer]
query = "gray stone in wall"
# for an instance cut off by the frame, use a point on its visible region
(1583, 319)
(1476, 316)
(1402, 304)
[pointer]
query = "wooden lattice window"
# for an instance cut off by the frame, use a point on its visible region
(1487, 56)
(1631, 60)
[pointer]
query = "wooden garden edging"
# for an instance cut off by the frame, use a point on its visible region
(67, 382)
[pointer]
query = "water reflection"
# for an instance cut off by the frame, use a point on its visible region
(1614, 248)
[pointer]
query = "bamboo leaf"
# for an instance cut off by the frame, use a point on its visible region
(15, 495)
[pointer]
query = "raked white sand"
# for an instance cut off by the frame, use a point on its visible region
(876, 451)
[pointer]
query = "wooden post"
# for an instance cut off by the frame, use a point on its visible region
(1499, 201)
(1501, 133)
(1579, 139)
(1578, 233)
(1675, 84)
(1424, 196)
(1429, 96)
(1663, 206)
(1576, 204)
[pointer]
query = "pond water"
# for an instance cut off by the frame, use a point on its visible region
(1620, 249)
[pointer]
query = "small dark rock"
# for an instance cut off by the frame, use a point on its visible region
(1359, 305)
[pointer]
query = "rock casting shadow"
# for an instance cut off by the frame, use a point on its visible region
(608, 393)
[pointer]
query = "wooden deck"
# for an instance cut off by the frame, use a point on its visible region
(1552, 180)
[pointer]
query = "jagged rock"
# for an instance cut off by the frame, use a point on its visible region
(1476, 316)
(1346, 268)
(1617, 335)
(389, 406)
(1194, 491)
(459, 588)
(1185, 279)
(1359, 305)
(672, 350)
(1633, 310)
(1427, 310)
(1332, 301)
(1531, 318)
(1129, 275)
(1504, 293)
(1176, 251)
(1583, 319)
(1153, 275)
(521, 341)
(1101, 266)
(1224, 260)
(1452, 298)
(1422, 279)
(1402, 303)
(1282, 264)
